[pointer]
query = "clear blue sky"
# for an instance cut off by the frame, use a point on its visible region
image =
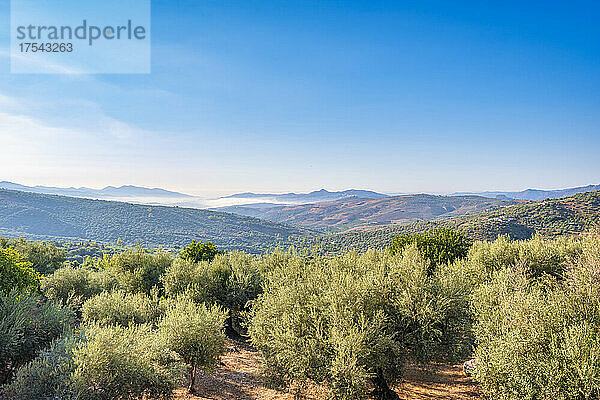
(399, 96)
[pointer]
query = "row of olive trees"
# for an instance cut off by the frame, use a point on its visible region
(104, 329)
(352, 321)
(529, 311)
(537, 318)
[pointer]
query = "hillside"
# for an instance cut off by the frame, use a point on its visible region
(305, 198)
(536, 194)
(358, 212)
(567, 216)
(43, 216)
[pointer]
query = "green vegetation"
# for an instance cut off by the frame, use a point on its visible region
(48, 376)
(48, 217)
(73, 284)
(440, 246)
(230, 281)
(544, 331)
(195, 333)
(200, 251)
(15, 273)
(137, 270)
(27, 325)
(44, 257)
(570, 216)
(130, 324)
(351, 321)
(122, 363)
(122, 308)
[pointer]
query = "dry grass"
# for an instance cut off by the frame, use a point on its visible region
(238, 378)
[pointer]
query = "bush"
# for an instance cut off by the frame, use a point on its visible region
(74, 285)
(439, 246)
(137, 270)
(199, 251)
(230, 281)
(349, 321)
(16, 273)
(538, 256)
(121, 308)
(27, 325)
(539, 337)
(195, 333)
(48, 376)
(124, 363)
(44, 257)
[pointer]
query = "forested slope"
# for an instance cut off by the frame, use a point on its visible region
(554, 217)
(43, 216)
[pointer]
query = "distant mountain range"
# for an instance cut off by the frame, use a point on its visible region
(534, 194)
(354, 212)
(107, 192)
(318, 196)
(366, 223)
(50, 217)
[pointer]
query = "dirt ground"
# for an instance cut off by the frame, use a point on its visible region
(238, 378)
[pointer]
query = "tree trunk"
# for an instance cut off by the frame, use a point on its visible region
(192, 379)
(382, 390)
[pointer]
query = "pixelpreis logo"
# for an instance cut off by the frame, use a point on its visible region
(76, 37)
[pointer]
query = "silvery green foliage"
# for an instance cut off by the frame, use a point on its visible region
(48, 376)
(350, 321)
(539, 334)
(124, 362)
(195, 333)
(121, 308)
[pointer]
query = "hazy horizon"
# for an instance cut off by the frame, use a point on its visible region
(225, 194)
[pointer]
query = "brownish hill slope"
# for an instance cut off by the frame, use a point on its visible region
(568, 216)
(356, 212)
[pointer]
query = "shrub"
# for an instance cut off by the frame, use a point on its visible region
(137, 270)
(124, 363)
(349, 321)
(16, 273)
(439, 246)
(539, 336)
(44, 257)
(230, 280)
(199, 251)
(74, 285)
(195, 333)
(121, 308)
(538, 256)
(48, 376)
(27, 325)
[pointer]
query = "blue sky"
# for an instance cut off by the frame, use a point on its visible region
(423, 96)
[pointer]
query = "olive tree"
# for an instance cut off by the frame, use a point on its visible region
(196, 333)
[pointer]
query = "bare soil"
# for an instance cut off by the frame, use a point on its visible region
(238, 378)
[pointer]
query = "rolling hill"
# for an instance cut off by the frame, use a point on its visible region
(41, 216)
(536, 194)
(554, 217)
(316, 196)
(358, 212)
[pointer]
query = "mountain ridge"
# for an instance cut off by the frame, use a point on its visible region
(108, 191)
(572, 216)
(534, 194)
(44, 216)
(353, 212)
